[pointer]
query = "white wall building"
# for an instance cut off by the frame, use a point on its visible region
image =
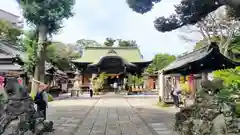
(14, 19)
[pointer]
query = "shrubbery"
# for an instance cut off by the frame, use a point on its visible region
(50, 97)
(238, 109)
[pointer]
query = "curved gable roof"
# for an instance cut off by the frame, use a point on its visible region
(92, 54)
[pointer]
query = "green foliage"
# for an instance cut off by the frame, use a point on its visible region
(204, 42)
(127, 43)
(1, 98)
(238, 109)
(109, 42)
(233, 50)
(29, 45)
(231, 77)
(49, 13)
(60, 55)
(159, 62)
(57, 53)
(135, 80)
(162, 104)
(81, 44)
(188, 12)
(98, 83)
(9, 32)
(50, 98)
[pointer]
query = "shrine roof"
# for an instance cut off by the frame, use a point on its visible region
(93, 54)
(12, 51)
(205, 58)
(10, 67)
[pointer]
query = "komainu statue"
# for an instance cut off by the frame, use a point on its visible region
(17, 113)
(209, 115)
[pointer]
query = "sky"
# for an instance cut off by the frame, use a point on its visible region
(99, 19)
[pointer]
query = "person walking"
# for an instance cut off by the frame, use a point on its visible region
(115, 86)
(41, 100)
(90, 89)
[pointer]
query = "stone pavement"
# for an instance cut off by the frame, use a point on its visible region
(108, 115)
(159, 119)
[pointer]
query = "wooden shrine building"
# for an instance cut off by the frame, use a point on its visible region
(117, 62)
(12, 60)
(195, 65)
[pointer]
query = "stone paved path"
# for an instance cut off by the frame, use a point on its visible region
(161, 121)
(107, 115)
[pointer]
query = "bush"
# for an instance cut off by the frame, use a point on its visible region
(1, 98)
(50, 97)
(238, 109)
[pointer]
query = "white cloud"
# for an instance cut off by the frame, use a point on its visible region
(98, 19)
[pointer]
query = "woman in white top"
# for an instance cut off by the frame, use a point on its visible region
(175, 94)
(115, 86)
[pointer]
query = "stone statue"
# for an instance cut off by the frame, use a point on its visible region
(209, 115)
(18, 115)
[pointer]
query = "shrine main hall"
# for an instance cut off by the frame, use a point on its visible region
(116, 62)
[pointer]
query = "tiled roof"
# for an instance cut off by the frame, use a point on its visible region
(93, 54)
(206, 52)
(14, 51)
(10, 67)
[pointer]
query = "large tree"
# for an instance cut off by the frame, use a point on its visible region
(81, 44)
(60, 55)
(159, 62)
(47, 17)
(187, 12)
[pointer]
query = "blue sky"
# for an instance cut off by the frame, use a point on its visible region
(98, 19)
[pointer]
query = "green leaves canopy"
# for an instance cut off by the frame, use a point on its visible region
(127, 43)
(234, 47)
(9, 32)
(188, 12)
(159, 62)
(60, 55)
(109, 42)
(47, 12)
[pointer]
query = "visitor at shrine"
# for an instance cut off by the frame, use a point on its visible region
(115, 86)
(41, 100)
(90, 89)
(175, 94)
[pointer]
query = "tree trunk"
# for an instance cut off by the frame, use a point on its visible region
(39, 71)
